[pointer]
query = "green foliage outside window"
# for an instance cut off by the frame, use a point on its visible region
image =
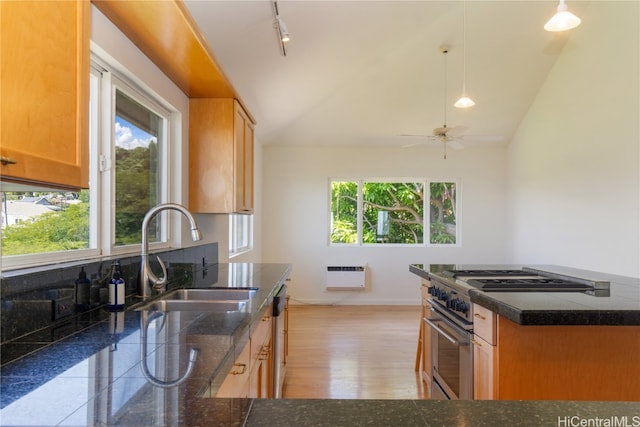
(62, 230)
(393, 212)
(136, 192)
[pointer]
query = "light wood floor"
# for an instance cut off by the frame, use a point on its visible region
(353, 352)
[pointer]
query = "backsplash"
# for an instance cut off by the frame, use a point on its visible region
(48, 298)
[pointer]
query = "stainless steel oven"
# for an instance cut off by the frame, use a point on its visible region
(451, 356)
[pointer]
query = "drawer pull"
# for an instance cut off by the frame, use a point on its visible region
(243, 369)
(474, 342)
(479, 316)
(7, 161)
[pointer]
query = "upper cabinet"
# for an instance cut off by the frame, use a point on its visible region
(220, 157)
(44, 93)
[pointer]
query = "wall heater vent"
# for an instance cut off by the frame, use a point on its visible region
(346, 278)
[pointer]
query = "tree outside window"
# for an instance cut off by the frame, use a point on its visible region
(392, 212)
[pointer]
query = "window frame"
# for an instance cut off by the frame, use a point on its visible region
(111, 77)
(426, 209)
(244, 226)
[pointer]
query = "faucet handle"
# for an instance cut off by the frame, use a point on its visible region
(159, 282)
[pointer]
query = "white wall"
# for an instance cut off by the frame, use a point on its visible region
(573, 166)
(296, 206)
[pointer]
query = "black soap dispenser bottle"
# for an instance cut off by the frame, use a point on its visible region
(116, 289)
(83, 291)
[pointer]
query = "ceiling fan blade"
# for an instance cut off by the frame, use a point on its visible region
(416, 135)
(414, 144)
(487, 138)
(456, 131)
(456, 145)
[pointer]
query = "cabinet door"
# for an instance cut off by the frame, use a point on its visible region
(220, 157)
(44, 92)
(236, 383)
(261, 357)
(425, 332)
(243, 156)
(484, 370)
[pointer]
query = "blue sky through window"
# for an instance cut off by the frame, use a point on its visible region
(129, 136)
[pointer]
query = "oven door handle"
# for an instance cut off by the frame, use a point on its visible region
(441, 332)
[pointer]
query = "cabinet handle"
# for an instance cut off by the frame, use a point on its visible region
(243, 367)
(7, 161)
(474, 342)
(479, 316)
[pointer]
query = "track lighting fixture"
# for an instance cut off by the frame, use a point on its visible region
(563, 19)
(281, 29)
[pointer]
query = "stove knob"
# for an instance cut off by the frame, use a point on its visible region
(431, 290)
(444, 296)
(463, 307)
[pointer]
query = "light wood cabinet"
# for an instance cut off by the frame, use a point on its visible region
(261, 359)
(425, 338)
(220, 156)
(484, 361)
(554, 362)
(252, 373)
(44, 92)
(237, 381)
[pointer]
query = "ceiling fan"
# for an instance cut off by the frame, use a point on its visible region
(448, 136)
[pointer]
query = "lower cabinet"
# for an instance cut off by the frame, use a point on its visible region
(236, 383)
(554, 362)
(251, 374)
(425, 338)
(260, 384)
(484, 354)
(483, 370)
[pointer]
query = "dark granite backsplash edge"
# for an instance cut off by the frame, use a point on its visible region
(38, 298)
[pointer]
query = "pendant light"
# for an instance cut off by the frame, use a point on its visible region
(464, 101)
(563, 19)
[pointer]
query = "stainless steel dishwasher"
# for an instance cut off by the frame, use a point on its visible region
(278, 340)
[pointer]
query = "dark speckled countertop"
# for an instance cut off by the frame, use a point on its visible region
(92, 377)
(620, 307)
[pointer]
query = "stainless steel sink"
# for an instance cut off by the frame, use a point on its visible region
(194, 305)
(211, 294)
(210, 299)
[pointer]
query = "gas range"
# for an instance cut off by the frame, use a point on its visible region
(525, 279)
(450, 289)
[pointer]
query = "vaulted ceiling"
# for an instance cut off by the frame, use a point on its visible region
(364, 72)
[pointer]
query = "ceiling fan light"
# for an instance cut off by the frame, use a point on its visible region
(563, 20)
(464, 102)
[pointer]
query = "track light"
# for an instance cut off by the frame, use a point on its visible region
(281, 29)
(563, 19)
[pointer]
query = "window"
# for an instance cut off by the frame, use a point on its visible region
(139, 136)
(129, 131)
(240, 233)
(393, 212)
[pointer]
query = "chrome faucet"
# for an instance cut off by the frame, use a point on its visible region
(147, 278)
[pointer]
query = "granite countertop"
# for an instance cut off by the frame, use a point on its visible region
(621, 306)
(93, 375)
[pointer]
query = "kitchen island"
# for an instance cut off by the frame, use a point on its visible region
(543, 344)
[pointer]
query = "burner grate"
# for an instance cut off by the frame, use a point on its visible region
(513, 284)
(486, 272)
